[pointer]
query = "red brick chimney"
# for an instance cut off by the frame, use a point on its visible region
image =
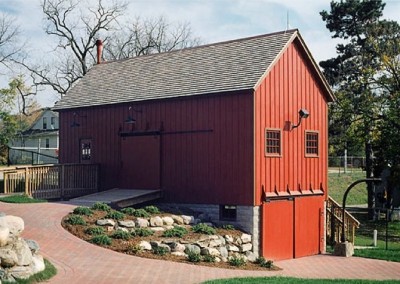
(99, 45)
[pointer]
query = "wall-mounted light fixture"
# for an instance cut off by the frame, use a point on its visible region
(303, 113)
(130, 119)
(74, 122)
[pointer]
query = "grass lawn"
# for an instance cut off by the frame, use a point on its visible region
(364, 238)
(338, 183)
(260, 280)
(379, 253)
(20, 199)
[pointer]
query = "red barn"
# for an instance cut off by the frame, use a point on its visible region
(216, 128)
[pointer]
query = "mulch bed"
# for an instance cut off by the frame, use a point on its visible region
(129, 246)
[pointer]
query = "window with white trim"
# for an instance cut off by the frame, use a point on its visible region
(44, 123)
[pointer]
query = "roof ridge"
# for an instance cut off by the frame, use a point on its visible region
(200, 46)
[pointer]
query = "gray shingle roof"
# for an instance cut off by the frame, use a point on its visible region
(226, 66)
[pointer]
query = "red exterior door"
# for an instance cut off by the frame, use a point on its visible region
(308, 229)
(292, 228)
(140, 162)
(277, 231)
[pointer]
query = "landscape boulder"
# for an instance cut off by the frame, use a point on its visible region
(19, 258)
(126, 224)
(4, 236)
(13, 223)
(105, 222)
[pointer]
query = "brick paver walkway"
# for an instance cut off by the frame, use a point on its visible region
(81, 262)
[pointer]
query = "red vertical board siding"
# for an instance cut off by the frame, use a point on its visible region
(290, 85)
(206, 145)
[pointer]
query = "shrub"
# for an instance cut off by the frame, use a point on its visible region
(75, 220)
(116, 215)
(209, 258)
(152, 209)
(133, 249)
(160, 250)
(94, 231)
(128, 211)
(120, 234)
(193, 256)
(264, 263)
(202, 228)
(141, 213)
(228, 227)
(175, 232)
(81, 210)
(142, 232)
(101, 206)
(103, 240)
(236, 261)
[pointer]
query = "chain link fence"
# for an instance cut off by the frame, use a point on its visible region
(342, 164)
(32, 157)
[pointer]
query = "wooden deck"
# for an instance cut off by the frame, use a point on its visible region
(118, 198)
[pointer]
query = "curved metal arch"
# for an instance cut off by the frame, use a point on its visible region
(367, 180)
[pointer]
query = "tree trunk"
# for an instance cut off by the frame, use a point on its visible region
(369, 174)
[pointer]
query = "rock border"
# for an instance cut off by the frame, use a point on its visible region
(222, 247)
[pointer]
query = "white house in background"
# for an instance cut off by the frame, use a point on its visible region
(39, 143)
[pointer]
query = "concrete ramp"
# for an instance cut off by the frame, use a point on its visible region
(118, 198)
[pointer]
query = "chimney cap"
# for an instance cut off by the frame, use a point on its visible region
(99, 42)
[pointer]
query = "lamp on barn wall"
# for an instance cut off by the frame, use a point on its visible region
(303, 113)
(75, 123)
(130, 119)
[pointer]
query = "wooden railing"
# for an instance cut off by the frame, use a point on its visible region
(52, 181)
(334, 223)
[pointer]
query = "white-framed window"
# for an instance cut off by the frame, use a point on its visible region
(44, 122)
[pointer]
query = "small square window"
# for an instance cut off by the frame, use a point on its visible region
(273, 142)
(312, 148)
(227, 212)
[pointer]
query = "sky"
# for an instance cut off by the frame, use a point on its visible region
(211, 20)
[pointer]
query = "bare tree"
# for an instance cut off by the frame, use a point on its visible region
(148, 36)
(10, 46)
(76, 28)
